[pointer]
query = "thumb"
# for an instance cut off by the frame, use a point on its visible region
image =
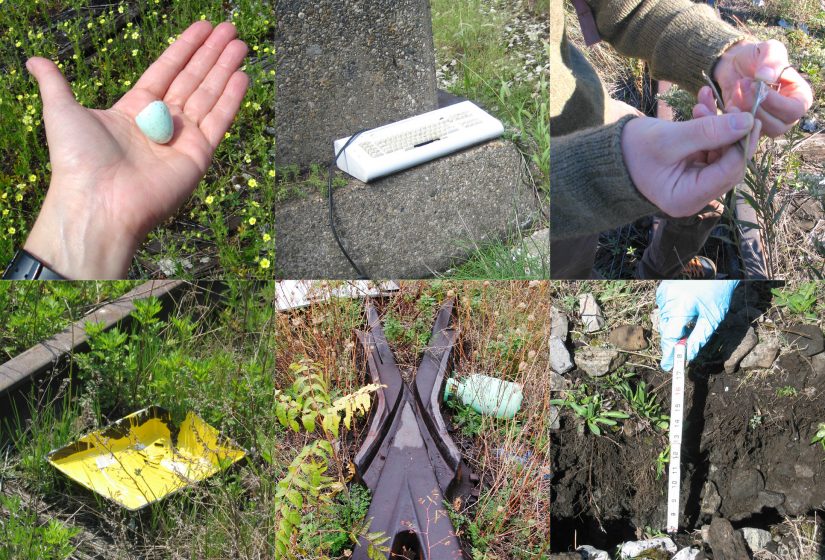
(710, 133)
(699, 336)
(54, 89)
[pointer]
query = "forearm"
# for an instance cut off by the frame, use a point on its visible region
(591, 189)
(678, 38)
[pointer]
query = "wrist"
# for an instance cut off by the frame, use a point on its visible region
(78, 243)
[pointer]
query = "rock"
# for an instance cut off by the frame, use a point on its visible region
(590, 553)
(687, 554)
(635, 548)
(756, 539)
(809, 124)
(768, 499)
(762, 356)
(711, 499)
(565, 556)
(818, 363)
(628, 337)
(560, 360)
(537, 248)
(746, 345)
(654, 320)
(726, 543)
(558, 382)
(705, 533)
(596, 362)
(803, 471)
(431, 217)
(746, 484)
(558, 324)
(554, 417)
(591, 314)
(807, 338)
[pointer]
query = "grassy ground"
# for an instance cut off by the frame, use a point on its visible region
(103, 50)
(787, 188)
(243, 368)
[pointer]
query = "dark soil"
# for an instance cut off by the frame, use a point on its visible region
(752, 444)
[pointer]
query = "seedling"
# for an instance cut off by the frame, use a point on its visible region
(590, 408)
(819, 436)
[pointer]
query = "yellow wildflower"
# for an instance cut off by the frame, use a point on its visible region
(252, 183)
(267, 238)
(209, 199)
(264, 263)
(252, 221)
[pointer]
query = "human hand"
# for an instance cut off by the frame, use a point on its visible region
(748, 60)
(682, 302)
(682, 166)
(110, 184)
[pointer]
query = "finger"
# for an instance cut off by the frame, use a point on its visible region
(699, 336)
(160, 75)
(672, 330)
(700, 110)
(784, 109)
(705, 97)
(708, 133)
(769, 60)
(54, 89)
(188, 80)
(220, 118)
(210, 90)
(793, 85)
(717, 178)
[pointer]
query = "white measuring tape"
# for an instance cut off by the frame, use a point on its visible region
(677, 404)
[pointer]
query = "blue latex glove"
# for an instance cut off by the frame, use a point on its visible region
(684, 301)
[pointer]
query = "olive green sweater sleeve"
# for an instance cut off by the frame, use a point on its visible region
(591, 189)
(678, 38)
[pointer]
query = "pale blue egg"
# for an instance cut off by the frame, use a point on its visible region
(155, 122)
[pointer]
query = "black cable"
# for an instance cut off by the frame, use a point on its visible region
(361, 275)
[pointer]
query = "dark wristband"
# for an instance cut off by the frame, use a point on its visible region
(25, 266)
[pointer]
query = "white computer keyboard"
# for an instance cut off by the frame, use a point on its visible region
(403, 144)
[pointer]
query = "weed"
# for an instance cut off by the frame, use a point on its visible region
(819, 436)
(799, 301)
(592, 408)
(644, 404)
(465, 418)
(23, 537)
(786, 391)
(662, 461)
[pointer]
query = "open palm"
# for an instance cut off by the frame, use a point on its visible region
(109, 181)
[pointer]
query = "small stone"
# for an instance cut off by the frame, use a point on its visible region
(628, 337)
(711, 499)
(591, 314)
(809, 124)
(558, 324)
(635, 548)
(155, 121)
(687, 554)
(746, 484)
(803, 471)
(554, 417)
(768, 499)
(807, 338)
(558, 382)
(560, 360)
(705, 533)
(745, 346)
(818, 363)
(596, 362)
(591, 553)
(756, 539)
(762, 356)
(726, 543)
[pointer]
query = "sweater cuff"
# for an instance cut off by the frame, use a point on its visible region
(692, 42)
(590, 188)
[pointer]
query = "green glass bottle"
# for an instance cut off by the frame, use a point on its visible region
(486, 394)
